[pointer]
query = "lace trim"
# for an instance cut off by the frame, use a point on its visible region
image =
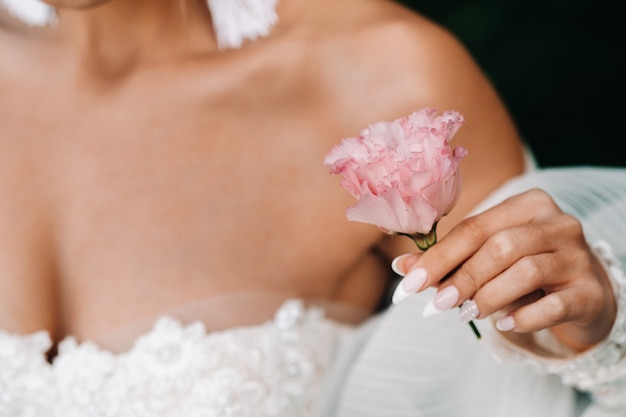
(270, 370)
(600, 371)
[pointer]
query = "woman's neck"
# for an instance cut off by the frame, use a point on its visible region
(120, 33)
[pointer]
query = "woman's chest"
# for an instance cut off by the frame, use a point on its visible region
(175, 202)
(137, 202)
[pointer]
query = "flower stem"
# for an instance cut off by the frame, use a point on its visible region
(475, 329)
(422, 241)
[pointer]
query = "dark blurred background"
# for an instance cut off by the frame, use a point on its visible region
(558, 65)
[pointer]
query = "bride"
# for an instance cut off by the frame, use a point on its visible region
(172, 244)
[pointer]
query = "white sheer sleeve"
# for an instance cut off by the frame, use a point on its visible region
(597, 197)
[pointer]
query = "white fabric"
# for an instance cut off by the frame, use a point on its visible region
(269, 370)
(412, 366)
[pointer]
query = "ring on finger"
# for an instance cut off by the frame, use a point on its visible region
(469, 311)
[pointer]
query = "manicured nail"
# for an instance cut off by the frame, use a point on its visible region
(505, 324)
(412, 283)
(396, 261)
(444, 300)
(469, 311)
(430, 309)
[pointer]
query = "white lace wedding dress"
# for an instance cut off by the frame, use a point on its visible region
(272, 369)
(300, 362)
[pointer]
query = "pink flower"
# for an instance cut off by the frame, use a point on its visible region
(403, 173)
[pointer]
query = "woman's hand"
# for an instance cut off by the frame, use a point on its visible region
(524, 257)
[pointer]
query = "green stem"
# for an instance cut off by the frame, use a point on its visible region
(423, 242)
(475, 329)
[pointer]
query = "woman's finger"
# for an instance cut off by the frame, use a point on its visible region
(549, 311)
(532, 251)
(469, 235)
(579, 316)
(526, 276)
(512, 248)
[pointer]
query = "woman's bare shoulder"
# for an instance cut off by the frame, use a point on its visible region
(387, 61)
(391, 55)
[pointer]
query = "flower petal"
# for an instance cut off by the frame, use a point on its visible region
(392, 213)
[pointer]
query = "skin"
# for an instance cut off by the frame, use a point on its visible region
(141, 169)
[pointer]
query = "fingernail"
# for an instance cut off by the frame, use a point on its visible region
(505, 324)
(412, 283)
(430, 309)
(446, 298)
(469, 311)
(396, 261)
(443, 300)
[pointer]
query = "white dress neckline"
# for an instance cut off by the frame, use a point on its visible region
(271, 369)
